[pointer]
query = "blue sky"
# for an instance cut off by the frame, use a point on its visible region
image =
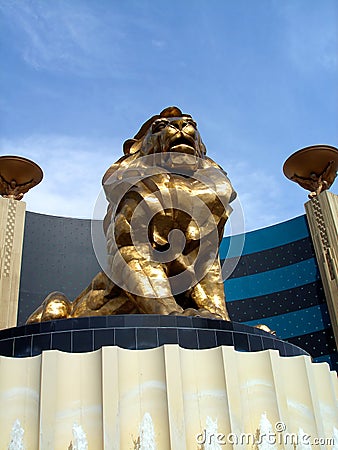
(79, 77)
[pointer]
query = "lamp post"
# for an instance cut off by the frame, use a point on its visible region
(17, 176)
(315, 169)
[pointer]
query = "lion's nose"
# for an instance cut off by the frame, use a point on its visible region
(179, 123)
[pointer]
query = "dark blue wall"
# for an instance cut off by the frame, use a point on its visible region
(277, 282)
(57, 256)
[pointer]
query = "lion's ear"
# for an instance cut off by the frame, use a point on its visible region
(172, 111)
(129, 147)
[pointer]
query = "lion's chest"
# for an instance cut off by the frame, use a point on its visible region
(176, 203)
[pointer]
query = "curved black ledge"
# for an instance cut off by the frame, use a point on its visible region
(137, 332)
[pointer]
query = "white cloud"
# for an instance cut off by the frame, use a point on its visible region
(73, 169)
(158, 43)
(259, 194)
(65, 36)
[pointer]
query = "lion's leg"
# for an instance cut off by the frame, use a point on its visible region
(208, 293)
(144, 281)
(55, 306)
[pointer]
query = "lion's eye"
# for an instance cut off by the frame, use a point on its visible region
(159, 125)
(192, 123)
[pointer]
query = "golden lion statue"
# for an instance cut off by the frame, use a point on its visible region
(168, 205)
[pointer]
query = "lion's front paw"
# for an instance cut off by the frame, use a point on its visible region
(192, 312)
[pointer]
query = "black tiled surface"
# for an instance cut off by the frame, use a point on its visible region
(83, 341)
(6, 333)
(168, 321)
(256, 343)
(22, 346)
(41, 342)
(182, 322)
(125, 337)
(167, 336)
(198, 322)
(148, 331)
(146, 338)
(297, 351)
(62, 324)
(33, 328)
(132, 320)
(62, 341)
(13, 332)
(279, 345)
(206, 339)
(6, 347)
(241, 342)
(224, 337)
(187, 338)
(81, 323)
(223, 325)
(100, 321)
(291, 349)
(47, 327)
(240, 327)
(151, 321)
(104, 337)
(217, 324)
(112, 321)
(268, 343)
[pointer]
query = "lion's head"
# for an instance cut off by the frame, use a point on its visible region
(169, 140)
(170, 131)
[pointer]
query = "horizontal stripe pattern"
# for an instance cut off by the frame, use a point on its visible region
(270, 259)
(297, 323)
(276, 281)
(265, 238)
(331, 360)
(257, 308)
(317, 344)
(271, 281)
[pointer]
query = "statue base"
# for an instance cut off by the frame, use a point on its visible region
(137, 332)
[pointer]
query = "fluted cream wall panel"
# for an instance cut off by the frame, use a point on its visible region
(250, 390)
(175, 393)
(19, 399)
(141, 383)
(299, 399)
(71, 393)
(203, 391)
(281, 381)
(324, 397)
(163, 398)
(110, 398)
(296, 391)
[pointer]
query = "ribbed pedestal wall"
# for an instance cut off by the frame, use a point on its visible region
(168, 395)
(158, 382)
